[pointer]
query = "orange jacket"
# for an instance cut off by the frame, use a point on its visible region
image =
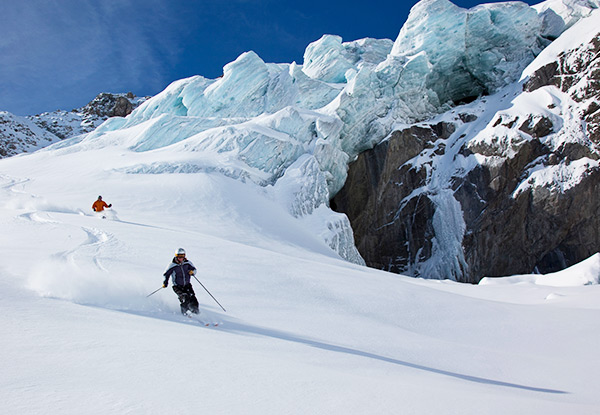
(99, 205)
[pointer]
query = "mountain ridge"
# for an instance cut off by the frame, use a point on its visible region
(24, 134)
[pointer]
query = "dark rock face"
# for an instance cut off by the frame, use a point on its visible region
(545, 228)
(537, 128)
(539, 229)
(109, 105)
(513, 224)
(377, 194)
(123, 107)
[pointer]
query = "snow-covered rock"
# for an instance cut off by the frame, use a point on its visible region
(26, 134)
(502, 186)
(20, 135)
(65, 124)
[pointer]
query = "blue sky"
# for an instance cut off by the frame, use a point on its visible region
(59, 54)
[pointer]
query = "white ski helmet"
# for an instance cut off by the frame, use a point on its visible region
(180, 251)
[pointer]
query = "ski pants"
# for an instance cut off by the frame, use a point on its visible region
(187, 298)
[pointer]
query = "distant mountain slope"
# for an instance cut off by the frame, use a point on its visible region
(27, 134)
(19, 135)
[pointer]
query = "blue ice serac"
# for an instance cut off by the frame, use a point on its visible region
(294, 128)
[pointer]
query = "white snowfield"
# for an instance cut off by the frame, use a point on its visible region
(305, 332)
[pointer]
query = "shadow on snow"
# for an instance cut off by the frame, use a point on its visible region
(234, 327)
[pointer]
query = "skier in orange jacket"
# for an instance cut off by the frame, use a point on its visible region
(100, 204)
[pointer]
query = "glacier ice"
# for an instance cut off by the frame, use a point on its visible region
(468, 52)
(304, 192)
(325, 60)
(330, 60)
(288, 124)
(569, 11)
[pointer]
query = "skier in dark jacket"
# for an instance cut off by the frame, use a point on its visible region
(182, 270)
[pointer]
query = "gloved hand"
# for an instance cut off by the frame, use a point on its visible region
(110, 205)
(192, 272)
(165, 284)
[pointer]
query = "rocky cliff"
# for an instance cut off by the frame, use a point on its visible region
(506, 185)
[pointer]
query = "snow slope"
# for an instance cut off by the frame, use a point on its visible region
(304, 332)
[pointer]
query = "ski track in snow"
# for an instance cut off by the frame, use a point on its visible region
(43, 218)
(97, 244)
(12, 182)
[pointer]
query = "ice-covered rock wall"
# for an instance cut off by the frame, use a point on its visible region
(444, 54)
(505, 185)
(266, 122)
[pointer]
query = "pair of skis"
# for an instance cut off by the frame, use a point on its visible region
(194, 317)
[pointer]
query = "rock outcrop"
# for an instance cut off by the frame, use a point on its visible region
(65, 124)
(389, 222)
(505, 194)
(19, 135)
(26, 134)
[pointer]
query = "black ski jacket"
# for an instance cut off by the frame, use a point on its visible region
(179, 272)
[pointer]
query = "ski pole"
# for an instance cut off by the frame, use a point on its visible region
(154, 292)
(209, 293)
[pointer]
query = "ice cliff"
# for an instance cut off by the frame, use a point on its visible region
(293, 129)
